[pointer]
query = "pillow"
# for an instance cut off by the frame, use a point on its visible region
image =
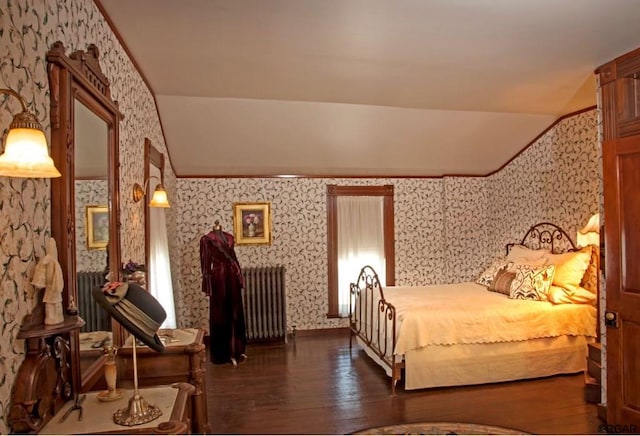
(570, 266)
(486, 278)
(591, 275)
(531, 282)
(524, 255)
(574, 294)
(502, 281)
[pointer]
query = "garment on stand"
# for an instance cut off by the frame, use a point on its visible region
(222, 281)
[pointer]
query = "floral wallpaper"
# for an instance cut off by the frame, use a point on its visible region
(419, 225)
(557, 179)
(446, 229)
(28, 28)
(88, 193)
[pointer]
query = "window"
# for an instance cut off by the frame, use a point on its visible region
(386, 268)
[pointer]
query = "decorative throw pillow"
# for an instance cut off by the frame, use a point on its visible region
(502, 281)
(590, 278)
(570, 266)
(531, 282)
(486, 278)
(574, 294)
(527, 256)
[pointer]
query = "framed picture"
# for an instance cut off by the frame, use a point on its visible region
(97, 227)
(252, 223)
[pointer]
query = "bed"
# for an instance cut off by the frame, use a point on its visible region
(530, 314)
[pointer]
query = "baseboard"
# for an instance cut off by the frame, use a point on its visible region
(294, 333)
(320, 332)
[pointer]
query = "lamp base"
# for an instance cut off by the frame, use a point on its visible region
(138, 192)
(138, 412)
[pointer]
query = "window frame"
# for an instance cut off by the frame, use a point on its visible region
(335, 191)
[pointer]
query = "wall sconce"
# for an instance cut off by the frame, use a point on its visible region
(590, 234)
(159, 198)
(26, 153)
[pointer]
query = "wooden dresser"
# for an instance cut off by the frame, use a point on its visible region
(593, 374)
(97, 416)
(183, 360)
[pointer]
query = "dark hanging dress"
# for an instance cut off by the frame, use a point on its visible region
(222, 281)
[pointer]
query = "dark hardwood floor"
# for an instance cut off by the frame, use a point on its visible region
(316, 385)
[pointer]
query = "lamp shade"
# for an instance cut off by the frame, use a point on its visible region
(159, 198)
(590, 233)
(25, 150)
(26, 155)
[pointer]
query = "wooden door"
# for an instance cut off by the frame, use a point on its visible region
(621, 171)
(620, 105)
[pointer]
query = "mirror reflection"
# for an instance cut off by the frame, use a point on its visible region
(91, 193)
(159, 262)
(156, 238)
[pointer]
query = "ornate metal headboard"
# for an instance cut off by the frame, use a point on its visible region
(546, 235)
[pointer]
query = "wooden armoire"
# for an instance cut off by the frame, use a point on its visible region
(620, 103)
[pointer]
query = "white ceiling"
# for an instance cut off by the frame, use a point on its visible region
(366, 87)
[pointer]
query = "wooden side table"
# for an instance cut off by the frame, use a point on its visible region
(45, 380)
(97, 416)
(183, 360)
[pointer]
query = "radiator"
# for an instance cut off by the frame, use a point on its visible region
(94, 316)
(264, 300)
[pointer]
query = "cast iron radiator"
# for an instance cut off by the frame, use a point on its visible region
(94, 316)
(265, 303)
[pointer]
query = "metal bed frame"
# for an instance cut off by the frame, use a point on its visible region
(373, 319)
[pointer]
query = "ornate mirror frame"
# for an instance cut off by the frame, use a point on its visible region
(152, 157)
(78, 77)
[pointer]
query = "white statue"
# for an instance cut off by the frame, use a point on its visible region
(48, 275)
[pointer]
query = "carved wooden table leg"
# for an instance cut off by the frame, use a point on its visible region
(198, 360)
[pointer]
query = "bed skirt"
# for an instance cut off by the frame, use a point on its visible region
(472, 364)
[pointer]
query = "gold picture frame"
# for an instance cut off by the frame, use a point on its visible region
(252, 223)
(97, 227)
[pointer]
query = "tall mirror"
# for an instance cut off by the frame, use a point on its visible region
(84, 201)
(91, 197)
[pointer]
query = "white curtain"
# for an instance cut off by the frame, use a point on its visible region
(159, 278)
(360, 242)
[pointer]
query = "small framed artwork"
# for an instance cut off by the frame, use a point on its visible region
(97, 227)
(252, 223)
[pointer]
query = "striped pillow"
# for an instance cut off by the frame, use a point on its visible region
(502, 281)
(486, 278)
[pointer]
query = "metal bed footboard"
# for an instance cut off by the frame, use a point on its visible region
(373, 320)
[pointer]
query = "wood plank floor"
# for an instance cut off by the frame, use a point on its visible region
(316, 385)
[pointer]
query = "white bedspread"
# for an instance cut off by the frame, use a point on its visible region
(467, 313)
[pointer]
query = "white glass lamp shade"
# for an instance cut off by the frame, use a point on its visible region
(26, 155)
(159, 198)
(590, 234)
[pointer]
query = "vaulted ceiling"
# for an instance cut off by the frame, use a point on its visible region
(366, 87)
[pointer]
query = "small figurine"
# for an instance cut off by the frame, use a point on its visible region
(48, 275)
